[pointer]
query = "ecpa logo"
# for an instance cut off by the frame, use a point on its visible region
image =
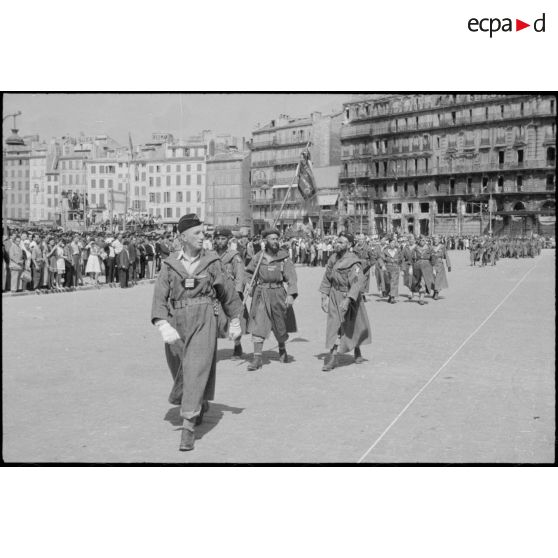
(494, 24)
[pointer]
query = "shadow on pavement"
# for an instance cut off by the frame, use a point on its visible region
(342, 360)
(210, 420)
(298, 340)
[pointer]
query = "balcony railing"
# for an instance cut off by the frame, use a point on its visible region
(456, 168)
(365, 130)
(263, 163)
(427, 106)
(276, 143)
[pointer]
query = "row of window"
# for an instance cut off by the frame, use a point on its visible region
(20, 173)
(157, 180)
(155, 197)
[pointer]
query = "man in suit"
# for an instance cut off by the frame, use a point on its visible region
(124, 265)
(134, 256)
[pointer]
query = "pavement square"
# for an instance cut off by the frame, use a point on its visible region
(85, 380)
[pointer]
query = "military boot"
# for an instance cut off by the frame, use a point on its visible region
(358, 356)
(283, 357)
(187, 439)
(329, 363)
(237, 353)
(256, 363)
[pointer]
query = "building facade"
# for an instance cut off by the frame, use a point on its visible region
(276, 149)
(449, 164)
(228, 190)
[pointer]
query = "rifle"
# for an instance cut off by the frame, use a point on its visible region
(249, 289)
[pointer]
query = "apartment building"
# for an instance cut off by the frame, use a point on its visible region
(449, 164)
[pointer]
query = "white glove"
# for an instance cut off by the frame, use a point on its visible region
(168, 333)
(235, 331)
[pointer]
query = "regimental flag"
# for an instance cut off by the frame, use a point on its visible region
(306, 181)
(131, 145)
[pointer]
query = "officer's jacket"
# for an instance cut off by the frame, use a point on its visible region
(174, 284)
(274, 269)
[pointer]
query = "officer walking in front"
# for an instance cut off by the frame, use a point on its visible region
(185, 309)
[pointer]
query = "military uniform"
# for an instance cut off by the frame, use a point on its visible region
(391, 263)
(422, 269)
(269, 311)
(343, 279)
(438, 255)
(189, 303)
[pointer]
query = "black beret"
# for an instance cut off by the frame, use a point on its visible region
(348, 236)
(222, 231)
(188, 221)
(267, 232)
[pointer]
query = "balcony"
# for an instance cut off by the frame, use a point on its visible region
(276, 143)
(367, 130)
(263, 163)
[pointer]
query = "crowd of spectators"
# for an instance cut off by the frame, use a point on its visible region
(54, 260)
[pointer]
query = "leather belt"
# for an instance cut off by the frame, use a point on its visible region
(176, 304)
(270, 285)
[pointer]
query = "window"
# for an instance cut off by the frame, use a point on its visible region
(410, 208)
(178, 180)
(179, 197)
(198, 179)
(93, 169)
(168, 180)
(102, 169)
(501, 111)
(501, 155)
(520, 156)
(177, 168)
(93, 183)
(110, 183)
(188, 168)
(168, 168)
(484, 184)
(101, 199)
(198, 197)
(199, 167)
(143, 177)
(150, 181)
(102, 183)
(452, 186)
(447, 207)
(151, 197)
(93, 198)
(166, 197)
(518, 182)
(453, 117)
(158, 168)
(151, 168)
(177, 213)
(425, 207)
(550, 182)
(168, 211)
(396, 208)
(158, 181)
(188, 199)
(469, 186)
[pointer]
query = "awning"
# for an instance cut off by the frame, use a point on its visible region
(327, 199)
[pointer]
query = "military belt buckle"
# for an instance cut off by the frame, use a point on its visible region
(189, 283)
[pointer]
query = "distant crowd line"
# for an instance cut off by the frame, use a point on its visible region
(42, 261)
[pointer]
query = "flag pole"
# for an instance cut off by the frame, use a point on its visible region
(249, 287)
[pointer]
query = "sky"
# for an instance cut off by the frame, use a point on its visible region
(57, 114)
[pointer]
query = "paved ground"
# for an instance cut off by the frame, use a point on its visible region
(84, 380)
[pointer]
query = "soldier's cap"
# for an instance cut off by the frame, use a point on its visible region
(348, 236)
(187, 222)
(267, 232)
(222, 231)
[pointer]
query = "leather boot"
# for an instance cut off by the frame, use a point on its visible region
(330, 362)
(237, 353)
(358, 356)
(435, 297)
(187, 440)
(204, 409)
(283, 357)
(256, 363)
